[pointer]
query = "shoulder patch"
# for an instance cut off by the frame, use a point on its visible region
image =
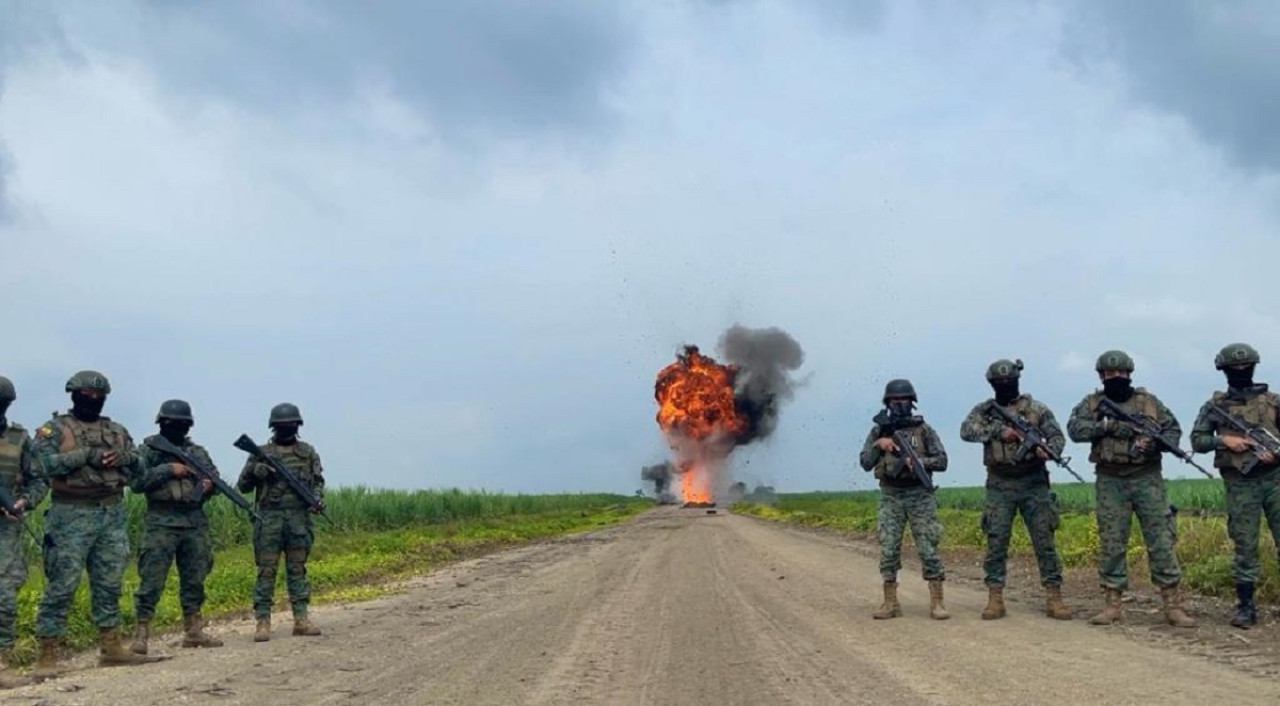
(45, 430)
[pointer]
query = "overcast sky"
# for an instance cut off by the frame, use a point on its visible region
(464, 237)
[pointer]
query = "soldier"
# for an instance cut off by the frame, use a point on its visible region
(1248, 496)
(176, 529)
(1016, 485)
(1130, 482)
(903, 497)
(286, 523)
(89, 459)
(24, 481)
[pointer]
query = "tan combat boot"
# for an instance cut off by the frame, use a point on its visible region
(1054, 607)
(47, 662)
(9, 677)
(141, 632)
(111, 651)
(995, 603)
(1174, 614)
(937, 610)
(890, 608)
(1111, 613)
(302, 625)
(263, 632)
(194, 634)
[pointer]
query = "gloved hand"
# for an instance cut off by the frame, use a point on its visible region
(262, 471)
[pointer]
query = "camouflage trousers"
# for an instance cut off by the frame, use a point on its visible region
(162, 546)
(1118, 500)
(13, 573)
(286, 531)
(80, 538)
(1249, 499)
(918, 508)
(1029, 495)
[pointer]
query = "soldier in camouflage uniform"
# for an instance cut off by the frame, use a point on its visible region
(903, 498)
(176, 529)
(1249, 497)
(286, 523)
(89, 459)
(24, 480)
(1016, 486)
(1130, 482)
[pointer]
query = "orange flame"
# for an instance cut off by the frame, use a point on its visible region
(696, 412)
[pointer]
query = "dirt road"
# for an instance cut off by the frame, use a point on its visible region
(674, 607)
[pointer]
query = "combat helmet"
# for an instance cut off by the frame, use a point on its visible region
(175, 409)
(8, 392)
(1114, 360)
(899, 388)
(89, 380)
(284, 413)
(1004, 369)
(1236, 354)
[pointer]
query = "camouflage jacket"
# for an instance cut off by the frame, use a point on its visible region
(71, 453)
(886, 467)
(1257, 406)
(271, 491)
(1111, 441)
(20, 469)
(166, 493)
(984, 427)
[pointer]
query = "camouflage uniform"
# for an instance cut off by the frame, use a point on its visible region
(904, 500)
(1249, 497)
(285, 525)
(1017, 486)
(1130, 482)
(24, 479)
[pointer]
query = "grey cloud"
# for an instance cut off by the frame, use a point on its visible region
(1213, 62)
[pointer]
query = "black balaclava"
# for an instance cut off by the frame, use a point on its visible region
(1239, 377)
(1006, 390)
(175, 430)
(85, 408)
(899, 408)
(1117, 389)
(4, 408)
(285, 433)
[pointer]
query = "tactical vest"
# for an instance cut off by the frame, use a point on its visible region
(103, 434)
(297, 457)
(176, 490)
(1114, 451)
(11, 445)
(886, 467)
(1258, 410)
(998, 452)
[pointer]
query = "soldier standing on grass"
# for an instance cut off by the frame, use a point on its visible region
(904, 499)
(1016, 485)
(24, 481)
(1252, 496)
(176, 529)
(1130, 482)
(285, 523)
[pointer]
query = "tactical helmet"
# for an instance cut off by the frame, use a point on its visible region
(899, 388)
(1236, 354)
(1114, 360)
(7, 391)
(89, 380)
(1004, 369)
(175, 409)
(284, 413)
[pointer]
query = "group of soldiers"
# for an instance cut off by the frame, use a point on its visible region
(1128, 429)
(83, 460)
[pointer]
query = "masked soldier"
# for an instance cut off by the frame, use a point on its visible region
(1016, 484)
(176, 528)
(285, 523)
(1250, 496)
(89, 459)
(904, 498)
(1130, 482)
(24, 482)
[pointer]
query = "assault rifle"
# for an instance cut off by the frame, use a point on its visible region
(1147, 427)
(891, 425)
(6, 502)
(1263, 440)
(313, 501)
(202, 472)
(1031, 437)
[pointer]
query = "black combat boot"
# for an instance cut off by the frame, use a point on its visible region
(1246, 610)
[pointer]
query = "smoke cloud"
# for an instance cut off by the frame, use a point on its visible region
(765, 358)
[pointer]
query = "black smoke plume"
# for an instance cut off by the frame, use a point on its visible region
(764, 359)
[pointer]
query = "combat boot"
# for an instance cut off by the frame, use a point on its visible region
(141, 632)
(1174, 614)
(111, 650)
(1246, 610)
(890, 608)
(1112, 612)
(1054, 607)
(194, 634)
(263, 632)
(47, 662)
(9, 677)
(302, 625)
(937, 610)
(995, 603)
